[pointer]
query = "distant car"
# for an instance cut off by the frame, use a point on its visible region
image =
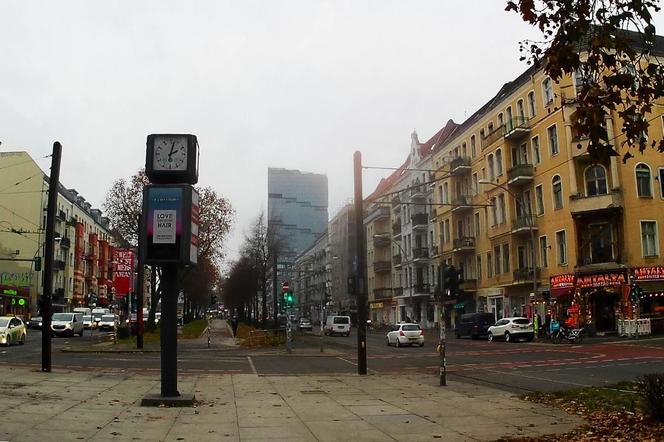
(88, 323)
(12, 329)
(474, 325)
(35, 322)
(305, 324)
(337, 325)
(405, 334)
(511, 329)
(108, 322)
(67, 324)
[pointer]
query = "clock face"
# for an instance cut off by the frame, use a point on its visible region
(170, 153)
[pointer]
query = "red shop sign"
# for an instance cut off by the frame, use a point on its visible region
(649, 273)
(600, 280)
(562, 281)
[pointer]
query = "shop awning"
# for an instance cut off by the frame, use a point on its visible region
(558, 292)
(460, 305)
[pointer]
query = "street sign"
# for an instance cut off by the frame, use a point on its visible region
(285, 286)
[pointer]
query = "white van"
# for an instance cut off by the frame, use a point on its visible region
(67, 324)
(337, 325)
(83, 310)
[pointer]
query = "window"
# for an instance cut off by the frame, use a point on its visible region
(489, 267)
(649, 238)
(557, 186)
(643, 188)
(501, 208)
(596, 180)
(478, 260)
(544, 252)
(481, 134)
(496, 260)
(537, 155)
(464, 150)
(520, 111)
(477, 225)
(500, 119)
(494, 212)
(509, 122)
(473, 149)
(447, 230)
(661, 182)
(476, 187)
(547, 87)
(553, 140)
(531, 103)
(539, 200)
(506, 258)
(499, 162)
(492, 174)
(490, 127)
(446, 193)
(561, 244)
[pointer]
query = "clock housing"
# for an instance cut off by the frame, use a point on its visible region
(172, 158)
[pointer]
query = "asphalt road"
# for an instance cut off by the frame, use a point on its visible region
(517, 367)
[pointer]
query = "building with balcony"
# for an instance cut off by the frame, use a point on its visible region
(342, 234)
(553, 231)
(81, 231)
(311, 279)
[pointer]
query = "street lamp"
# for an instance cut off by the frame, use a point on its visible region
(526, 210)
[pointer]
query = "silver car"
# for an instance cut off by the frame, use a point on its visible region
(405, 334)
(12, 329)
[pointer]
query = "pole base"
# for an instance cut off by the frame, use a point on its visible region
(157, 400)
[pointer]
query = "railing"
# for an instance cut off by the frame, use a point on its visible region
(72, 222)
(419, 219)
(515, 123)
(525, 274)
(380, 294)
(58, 264)
(524, 222)
(422, 288)
(464, 241)
(459, 162)
(520, 170)
(420, 252)
(492, 136)
(65, 243)
(61, 216)
(462, 200)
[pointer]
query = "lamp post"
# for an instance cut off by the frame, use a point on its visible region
(526, 210)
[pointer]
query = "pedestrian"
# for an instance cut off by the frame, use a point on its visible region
(547, 323)
(539, 325)
(234, 325)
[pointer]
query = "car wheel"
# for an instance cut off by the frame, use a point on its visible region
(508, 337)
(9, 340)
(397, 343)
(490, 337)
(22, 341)
(422, 344)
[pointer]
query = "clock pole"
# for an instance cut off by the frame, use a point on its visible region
(169, 339)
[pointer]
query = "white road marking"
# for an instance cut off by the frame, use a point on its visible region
(251, 364)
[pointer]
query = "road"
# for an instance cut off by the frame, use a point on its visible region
(517, 367)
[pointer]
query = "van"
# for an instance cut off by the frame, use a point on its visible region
(474, 325)
(83, 310)
(337, 325)
(67, 324)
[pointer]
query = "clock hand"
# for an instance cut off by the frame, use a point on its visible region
(172, 149)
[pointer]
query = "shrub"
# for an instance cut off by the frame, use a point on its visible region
(651, 389)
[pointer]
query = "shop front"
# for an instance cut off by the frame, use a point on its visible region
(15, 293)
(492, 300)
(650, 281)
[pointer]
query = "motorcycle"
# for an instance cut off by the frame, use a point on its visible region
(571, 335)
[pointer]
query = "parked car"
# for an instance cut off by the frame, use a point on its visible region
(88, 323)
(68, 324)
(12, 329)
(108, 322)
(337, 325)
(305, 324)
(512, 329)
(405, 334)
(474, 325)
(35, 322)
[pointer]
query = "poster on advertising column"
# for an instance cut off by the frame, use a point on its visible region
(164, 223)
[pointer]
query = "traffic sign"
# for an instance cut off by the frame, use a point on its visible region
(285, 286)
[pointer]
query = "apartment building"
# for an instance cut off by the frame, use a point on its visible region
(83, 247)
(539, 227)
(311, 279)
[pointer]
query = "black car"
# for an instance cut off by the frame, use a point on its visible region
(35, 322)
(474, 325)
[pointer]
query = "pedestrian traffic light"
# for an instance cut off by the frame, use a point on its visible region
(38, 264)
(288, 296)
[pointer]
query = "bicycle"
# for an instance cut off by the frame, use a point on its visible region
(573, 335)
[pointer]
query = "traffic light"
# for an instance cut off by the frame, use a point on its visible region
(288, 298)
(38, 264)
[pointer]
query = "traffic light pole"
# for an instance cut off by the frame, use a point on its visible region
(360, 257)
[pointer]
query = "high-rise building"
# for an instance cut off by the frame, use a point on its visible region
(297, 213)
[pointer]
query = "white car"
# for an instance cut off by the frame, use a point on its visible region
(108, 322)
(12, 330)
(405, 334)
(511, 329)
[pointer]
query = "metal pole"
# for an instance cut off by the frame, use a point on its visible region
(169, 341)
(49, 246)
(139, 290)
(289, 332)
(360, 289)
(322, 320)
(442, 371)
(274, 289)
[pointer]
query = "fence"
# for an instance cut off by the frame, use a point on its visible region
(628, 327)
(262, 338)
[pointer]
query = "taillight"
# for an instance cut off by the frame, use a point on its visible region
(401, 333)
(514, 326)
(421, 332)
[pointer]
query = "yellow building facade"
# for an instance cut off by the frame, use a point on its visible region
(535, 225)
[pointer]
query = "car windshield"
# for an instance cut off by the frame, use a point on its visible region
(87, 318)
(410, 327)
(107, 318)
(62, 317)
(341, 320)
(4, 322)
(521, 321)
(36, 318)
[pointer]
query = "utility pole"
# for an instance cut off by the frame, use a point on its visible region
(274, 289)
(140, 290)
(49, 245)
(360, 287)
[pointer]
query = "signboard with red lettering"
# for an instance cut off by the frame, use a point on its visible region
(123, 265)
(649, 273)
(562, 281)
(600, 280)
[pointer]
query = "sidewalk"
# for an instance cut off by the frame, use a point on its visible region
(105, 406)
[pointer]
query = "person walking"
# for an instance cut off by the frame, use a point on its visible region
(234, 325)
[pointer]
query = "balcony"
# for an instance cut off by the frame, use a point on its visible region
(516, 128)
(463, 244)
(65, 243)
(468, 284)
(421, 289)
(492, 137)
(396, 202)
(581, 205)
(524, 223)
(459, 165)
(382, 294)
(58, 265)
(72, 222)
(377, 213)
(462, 203)
(396, 260)
(61, 216)
(520, 174)
(525, 274)
(434, 251)
(420, 254)
(420, 220)
(418, 191)
(380, 241)
(382, 266)
(396, 228)
(398, 291)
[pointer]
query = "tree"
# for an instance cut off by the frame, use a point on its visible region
(609, 45)
(239, 287)
(123, 206)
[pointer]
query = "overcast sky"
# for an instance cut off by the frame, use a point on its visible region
(272, 83)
